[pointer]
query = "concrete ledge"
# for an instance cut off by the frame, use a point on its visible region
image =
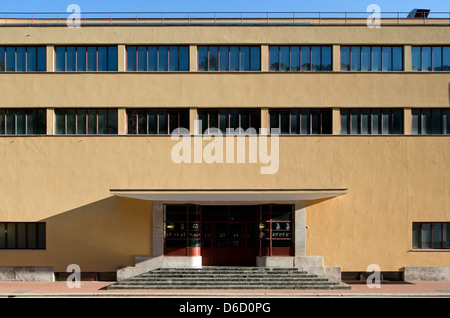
(183, 261)
(308, 261)
(275, 261)
(439, 273)
(30, 274)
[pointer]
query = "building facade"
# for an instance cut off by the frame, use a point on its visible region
(129, 146)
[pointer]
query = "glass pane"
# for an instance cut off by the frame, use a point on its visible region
(426, 122)
(223, 58)
(41, 59)
(437, 235)
(245, 120)
(31, 235)
(112, 121)
(20, 122)
(315, 122)
(2, 59)
(213, 62)
(295, 58)
(102, 59)
(21, 235)
(415, 122)
(10, 121)
(213, 119)
(112, 58)
(102, 121)
(397, 58)
(284, 118)
(163, 125)
(274, 58)
(131, 122)
(234, 58)
(11, 235)
(387, 58)
(21, 60)
(70, 59)
(10, 59)
(386, 122)
(397, 121)
(2, 121)
(327, 121)
(202, 121)
(2, 235)
(415, 56)
(436, 57)
(354, 122)
(294, 118)
(70, 122)
(376, 59)
(326, 64)
(344, 122)
(315, 58)
(234, 119)
(203, 58)
(446, 121)
(274, 120)
(305, 58)
(60, 59)
(255, 58)
(60, 122)
(81, 121)
(245, 58)
(436, 123)
(92, 59)
(183, 60)
(152, 53)
(376, 122)
(41, 235)
(31, 122)
(365, 59)
(365, 122)
(345, 58)
(356, 58)
(426, 58)
(42, 121)
(142, 122)
(305, 122)
(284, 58)
(131, 58)
(173, 121)
(446, 235)
(162, 58)
(173, 58)
(426, 235)
(142, 58)
(92, 121)
(445, 58)
(416, 235)
(223, 121)
(81, 58)
(152, 122)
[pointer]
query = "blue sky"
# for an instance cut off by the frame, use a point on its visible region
(222, 5)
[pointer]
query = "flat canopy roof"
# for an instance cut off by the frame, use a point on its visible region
(228, 195)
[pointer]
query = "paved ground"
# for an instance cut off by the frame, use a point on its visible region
(97, 289)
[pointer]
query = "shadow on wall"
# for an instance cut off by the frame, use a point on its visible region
(101, 235)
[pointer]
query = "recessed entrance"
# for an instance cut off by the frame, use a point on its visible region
(228, 234)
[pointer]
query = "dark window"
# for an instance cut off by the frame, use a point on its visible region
(157, 121)
(371, 58)
(157, 58)
(82, 58)
(300, 121)
(86, 121)
(431, 235)
(23, 59)
(431, 58)
(22, 235)
(229, 121)
(371, 121)
(23, 122)
(431, 121)
(300, 58)
(229, 58)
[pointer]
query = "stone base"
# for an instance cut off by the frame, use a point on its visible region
(411, 274)
(275, 261)
(22, 273)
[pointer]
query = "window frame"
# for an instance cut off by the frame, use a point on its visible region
(87, 67)
(349, 112)
(40, 128)
(179, 112)
(420, 49)
(419, 112)
(228, 50)
(38, 56)
(431, 233)
(158, 53)
(310, 112)
(80, 111)
(40, 238)
(359, 67)
(216, 112)
(300, 48)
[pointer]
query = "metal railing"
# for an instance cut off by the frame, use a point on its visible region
(214, 18)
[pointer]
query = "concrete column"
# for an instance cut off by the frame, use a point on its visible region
(336, 58)
(50, 58)
(193, 58)
(264, 58)
(122, 58)
(50, 121)
(265, 120)
(407, 58)
(299, 228)
(158, 231)
(193, 129)
(407, 120)
(336, 118)
(122, 121)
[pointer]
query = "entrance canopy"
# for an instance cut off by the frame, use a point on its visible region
(228, 195)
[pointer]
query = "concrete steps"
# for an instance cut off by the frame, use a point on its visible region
(227, 278)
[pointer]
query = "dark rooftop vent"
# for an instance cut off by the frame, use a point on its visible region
(419, 13)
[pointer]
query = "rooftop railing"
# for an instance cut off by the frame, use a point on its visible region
(217, 18)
